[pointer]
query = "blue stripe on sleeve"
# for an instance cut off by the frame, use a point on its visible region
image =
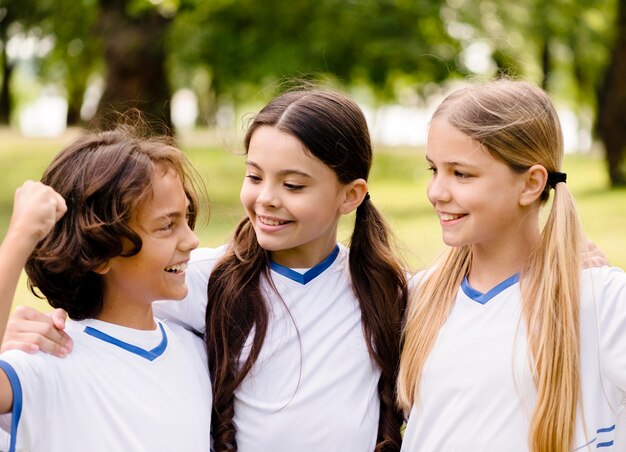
(17, 400)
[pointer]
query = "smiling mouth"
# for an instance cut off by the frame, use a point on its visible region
(450, 217)
(177, 268)
(271, 222)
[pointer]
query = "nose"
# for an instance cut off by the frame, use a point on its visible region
(267, 196)
(190, 240)
(437, 190)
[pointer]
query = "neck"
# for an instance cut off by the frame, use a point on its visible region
(139, 317)
(305, 257)
(493, 264)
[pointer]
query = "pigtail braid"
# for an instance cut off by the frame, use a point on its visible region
(235, 306)
(379, 282)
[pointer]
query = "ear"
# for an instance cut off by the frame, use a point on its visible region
(354, 193)
(535, 180)
(104, 268)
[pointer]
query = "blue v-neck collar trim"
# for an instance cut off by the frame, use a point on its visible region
(150, 355)
(311, 273)
(483, 298)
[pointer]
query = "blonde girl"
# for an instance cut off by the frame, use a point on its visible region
(508, 345)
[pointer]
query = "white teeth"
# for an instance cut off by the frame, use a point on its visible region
(270, 222)
(178, 268)
(449, 217)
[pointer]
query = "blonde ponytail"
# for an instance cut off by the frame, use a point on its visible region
(550, 287)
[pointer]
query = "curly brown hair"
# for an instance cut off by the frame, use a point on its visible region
(104, 177)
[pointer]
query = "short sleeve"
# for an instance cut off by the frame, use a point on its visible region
(607, 287)
(31, 387)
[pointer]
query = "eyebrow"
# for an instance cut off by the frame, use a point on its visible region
(284, 172)
(455, 164)
(174, 214)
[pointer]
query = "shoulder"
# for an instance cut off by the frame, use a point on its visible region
(606, 282)
(200, 255)
(202, 262)
(192, 310)
(40, 361)
(28, 368)
(603, 320)
(417, 280)
(343, 258)
(603, 290)
(206, 258)
(192, 343)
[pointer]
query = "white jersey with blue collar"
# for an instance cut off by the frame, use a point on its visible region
(314, 385)
(119, 389)
(477, 391)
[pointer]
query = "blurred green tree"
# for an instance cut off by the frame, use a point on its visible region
(574, 48)
(124, 39)
(237, 49)
(15, 16)
(245, 44)
(76, 54)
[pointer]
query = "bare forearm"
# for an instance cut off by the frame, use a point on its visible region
(14, 252)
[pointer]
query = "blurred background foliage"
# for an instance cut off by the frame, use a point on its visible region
(108, 55)
(231, 56)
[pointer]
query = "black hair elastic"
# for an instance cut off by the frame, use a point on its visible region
(555, 178)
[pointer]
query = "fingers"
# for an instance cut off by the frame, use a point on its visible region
(61, 206)
(30, 330)
(58, 318)
(590, 260)
(36, 208)
(32, 343)
(14, 345)
(592, 256)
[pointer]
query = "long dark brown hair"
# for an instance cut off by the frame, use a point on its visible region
(333, 129)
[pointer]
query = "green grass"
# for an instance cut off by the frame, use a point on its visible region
(397, 187)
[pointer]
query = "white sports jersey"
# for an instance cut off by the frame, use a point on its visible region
(120, 389)
(477, 391)
(314, 385)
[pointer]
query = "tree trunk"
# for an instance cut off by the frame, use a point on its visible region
(134, 54)
(612, 103)
(75, 102)
(546, 63)
(5, 91)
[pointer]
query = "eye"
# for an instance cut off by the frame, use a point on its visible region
(293, 187)
(253, 178)
(432, 169)
(167, 227)
(461, 175)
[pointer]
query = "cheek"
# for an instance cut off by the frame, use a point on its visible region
(244, 195)
(429, 192)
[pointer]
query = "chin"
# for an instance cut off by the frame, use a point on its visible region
(453, 243)
(178, 295)
(268, 245)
